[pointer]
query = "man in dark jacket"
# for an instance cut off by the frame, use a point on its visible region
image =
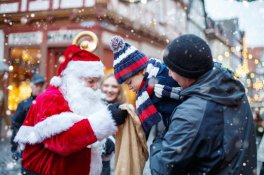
(212, 131)
(37, 83)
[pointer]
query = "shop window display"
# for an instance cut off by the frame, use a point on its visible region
(24, 63)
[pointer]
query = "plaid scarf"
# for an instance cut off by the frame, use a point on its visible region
(146, 111)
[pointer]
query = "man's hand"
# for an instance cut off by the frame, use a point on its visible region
(118, 114)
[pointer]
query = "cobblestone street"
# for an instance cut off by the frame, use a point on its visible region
(8, 166)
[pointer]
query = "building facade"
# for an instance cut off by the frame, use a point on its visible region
(36, 33)
(255, 77)
(224, 37)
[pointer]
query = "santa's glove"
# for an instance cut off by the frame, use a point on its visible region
(166, 91)
(118, 114)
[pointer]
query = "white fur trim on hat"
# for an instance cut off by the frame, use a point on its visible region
(56, 81)
(85, 68)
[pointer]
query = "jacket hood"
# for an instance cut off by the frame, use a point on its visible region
(218, 85)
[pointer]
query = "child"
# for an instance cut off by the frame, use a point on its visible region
(140, 73)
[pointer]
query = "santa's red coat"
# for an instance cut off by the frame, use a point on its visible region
(57, 140)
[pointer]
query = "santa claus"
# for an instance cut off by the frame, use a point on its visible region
(64, 126)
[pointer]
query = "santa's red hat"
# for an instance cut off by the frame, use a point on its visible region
(80, 62)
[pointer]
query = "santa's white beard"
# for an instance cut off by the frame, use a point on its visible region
(82, 100)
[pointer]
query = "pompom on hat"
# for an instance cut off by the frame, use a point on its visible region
(128, 61)
(79, 62)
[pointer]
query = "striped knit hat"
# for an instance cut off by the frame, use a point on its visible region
(128, 61)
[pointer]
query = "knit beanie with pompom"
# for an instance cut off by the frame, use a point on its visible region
(128, 61)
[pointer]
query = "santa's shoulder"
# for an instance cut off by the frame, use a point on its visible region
(52, 96)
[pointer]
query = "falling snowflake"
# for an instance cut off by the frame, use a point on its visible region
(10, 165)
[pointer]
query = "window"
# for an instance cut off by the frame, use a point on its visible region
(24, 63)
